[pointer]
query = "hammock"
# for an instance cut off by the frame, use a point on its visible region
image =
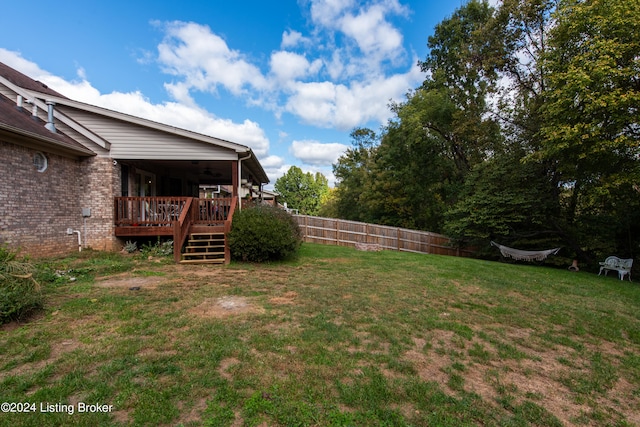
(519, 255)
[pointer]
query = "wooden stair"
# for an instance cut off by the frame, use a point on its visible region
(204, 248)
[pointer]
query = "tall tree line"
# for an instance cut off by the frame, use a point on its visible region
(526, 130)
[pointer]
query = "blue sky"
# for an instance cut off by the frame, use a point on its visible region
(288, 78)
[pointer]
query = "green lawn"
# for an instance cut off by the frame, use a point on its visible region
(336, 338)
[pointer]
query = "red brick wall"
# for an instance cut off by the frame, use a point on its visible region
(36, 208)
(100, 183)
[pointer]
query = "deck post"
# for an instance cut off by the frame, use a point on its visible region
(234, 178)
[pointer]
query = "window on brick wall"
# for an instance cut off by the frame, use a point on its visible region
(40, 162)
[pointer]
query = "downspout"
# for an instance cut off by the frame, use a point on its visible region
(240, 179)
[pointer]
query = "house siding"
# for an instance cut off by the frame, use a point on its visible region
(131, 141)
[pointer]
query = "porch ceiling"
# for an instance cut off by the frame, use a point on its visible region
(213, 172)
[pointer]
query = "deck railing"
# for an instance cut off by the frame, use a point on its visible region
(141, 216)
(162, 211)
(212, 211)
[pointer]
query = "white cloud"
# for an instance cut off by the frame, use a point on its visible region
(341, 71)
(204, 60)
(366, 26)
(336, 81)
(327, 104)
(82, 73)
(373, 34)
(134, 103)
(291, 39)
(15, 60)
(316, 153)
(326, 12)
(289, 66)
(274, 166)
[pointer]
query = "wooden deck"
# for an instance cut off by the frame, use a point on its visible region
(173, 216)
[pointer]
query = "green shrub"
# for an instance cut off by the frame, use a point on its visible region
(19, 292)
(131, 246)
(263, 233)
(157, 249)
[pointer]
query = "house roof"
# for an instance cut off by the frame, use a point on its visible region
(241, 151)
(25, 82)
(73, 114)
(20, 123)
(239, 148)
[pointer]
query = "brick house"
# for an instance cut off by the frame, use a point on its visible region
(74, 175)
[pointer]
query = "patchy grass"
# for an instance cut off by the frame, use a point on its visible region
(335, 338)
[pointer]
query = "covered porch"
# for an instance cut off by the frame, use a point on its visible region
(189, 201)
(176, 217)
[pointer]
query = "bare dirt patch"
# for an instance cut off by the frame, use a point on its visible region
(194, 416)
(59, 348)
(207, 271)
(56, 351)
(429, 367)
(286, 298)
(540, 378)
(224, 307)
(127, 281)
(153, 353)
(225, 365)
(537, 377)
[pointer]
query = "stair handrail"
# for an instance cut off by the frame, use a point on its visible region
(181, 228)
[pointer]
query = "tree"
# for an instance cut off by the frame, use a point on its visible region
(525, 129)
(437, 136)
(504, 199)
(414, 175)
(460, 78)
(441, 131)
(590, 119)
(353, 173)
(302, 191)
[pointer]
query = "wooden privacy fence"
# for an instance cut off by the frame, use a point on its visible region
(331, 231)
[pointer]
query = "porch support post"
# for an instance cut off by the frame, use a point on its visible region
(234, 178)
